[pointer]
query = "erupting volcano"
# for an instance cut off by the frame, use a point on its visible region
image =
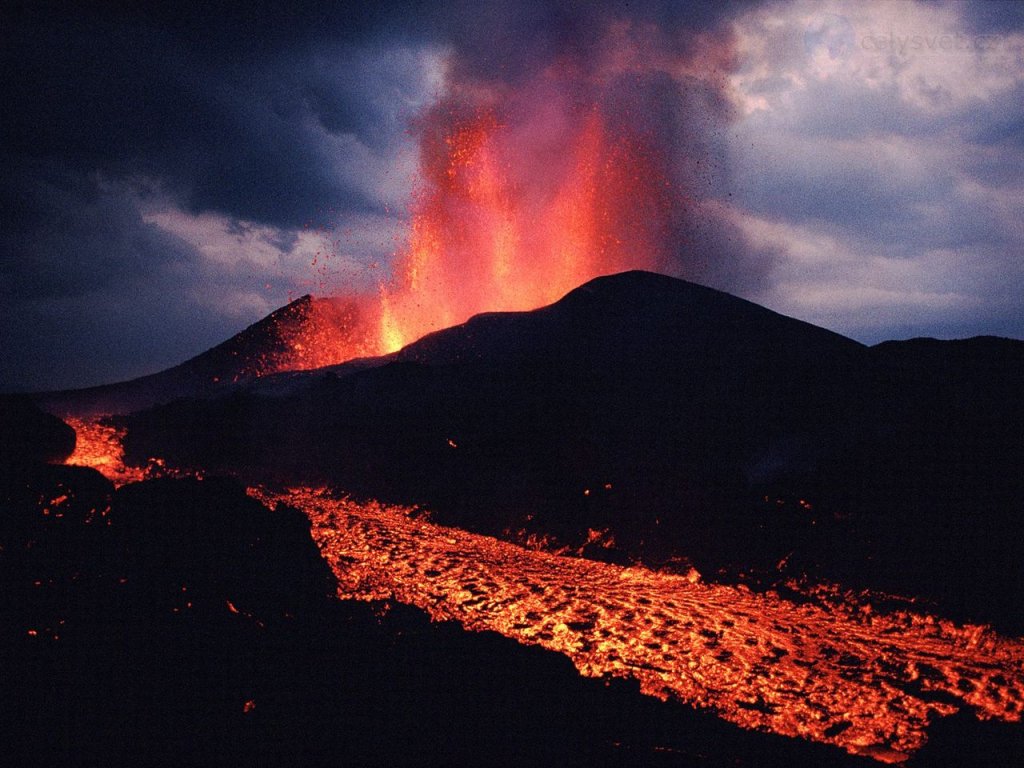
(532, 476)
(486, 238)
(868, 672)
(524, 194)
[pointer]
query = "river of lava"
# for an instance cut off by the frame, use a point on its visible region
(867, 683)
(98, 445)
(841, 674)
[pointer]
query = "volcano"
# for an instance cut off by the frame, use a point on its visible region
(679, 419)
(660, 481)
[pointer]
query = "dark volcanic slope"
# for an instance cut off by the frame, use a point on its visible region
(272, 344)
(679, 420)
(628, 377)
(664, 389)
(632, 313)
(29, 436)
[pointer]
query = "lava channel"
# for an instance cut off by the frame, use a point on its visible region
(867, 683)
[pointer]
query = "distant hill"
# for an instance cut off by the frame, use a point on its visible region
(638, 370)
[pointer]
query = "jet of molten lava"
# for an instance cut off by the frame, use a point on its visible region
(522, 198)
(485, 238)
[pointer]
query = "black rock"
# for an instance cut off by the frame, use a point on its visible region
(29, 435)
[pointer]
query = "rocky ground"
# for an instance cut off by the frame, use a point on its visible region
(180, 622)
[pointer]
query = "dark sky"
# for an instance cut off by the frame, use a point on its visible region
(169, 175)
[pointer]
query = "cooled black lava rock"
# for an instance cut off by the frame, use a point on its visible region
(29, 435)
(220, 545)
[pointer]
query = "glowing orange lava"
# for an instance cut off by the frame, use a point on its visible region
(98, 445)
(485, 239)
(833, 672)
(866, 682)
(317, 333)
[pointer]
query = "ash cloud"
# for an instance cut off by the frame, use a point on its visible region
(658, 73)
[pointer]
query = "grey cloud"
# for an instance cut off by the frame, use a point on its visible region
(225, 106)
(141, 100)
(843, 110)
(993, 16)
(75, 239)
(94, 293)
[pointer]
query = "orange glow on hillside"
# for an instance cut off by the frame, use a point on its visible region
(317, 333)
(98, 444)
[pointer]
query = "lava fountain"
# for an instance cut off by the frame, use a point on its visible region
(525, 192)
(514, 214)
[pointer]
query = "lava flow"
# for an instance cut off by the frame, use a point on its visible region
(98, 445)
(868, 683)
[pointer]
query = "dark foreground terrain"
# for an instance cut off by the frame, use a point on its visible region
(179, 622)
(641, 418)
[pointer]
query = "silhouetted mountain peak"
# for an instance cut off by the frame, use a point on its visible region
(679, 418)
